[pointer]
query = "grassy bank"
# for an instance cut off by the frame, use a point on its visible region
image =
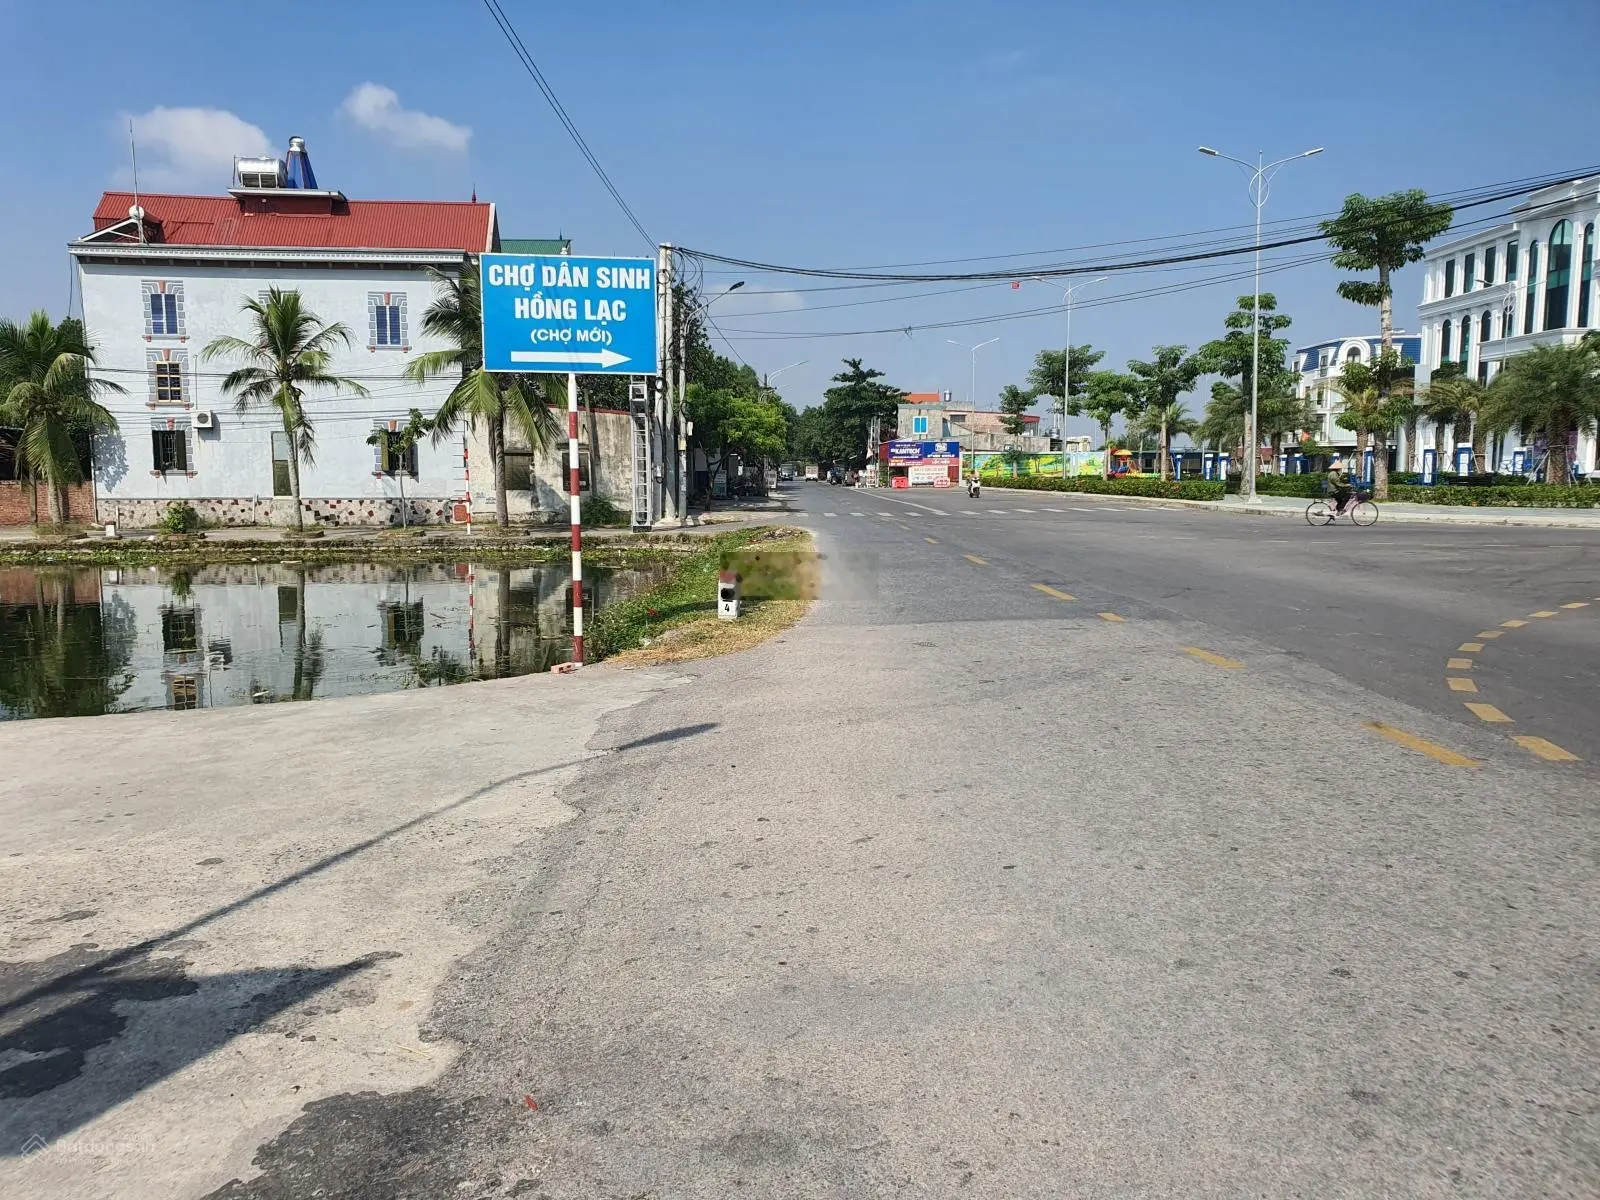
(179, 551)
(677, 620)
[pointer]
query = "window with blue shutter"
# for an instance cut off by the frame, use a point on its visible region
(386, 320)
(163, 308)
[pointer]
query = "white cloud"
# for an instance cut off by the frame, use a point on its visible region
(377, 109)
(192, 146)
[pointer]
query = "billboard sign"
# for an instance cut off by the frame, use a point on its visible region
(905, 453)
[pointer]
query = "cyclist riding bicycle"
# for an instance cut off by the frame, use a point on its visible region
(1338, 484)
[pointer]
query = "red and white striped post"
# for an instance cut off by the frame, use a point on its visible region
(577, 520)
(466, 467)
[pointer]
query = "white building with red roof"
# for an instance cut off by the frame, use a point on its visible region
(162, 275)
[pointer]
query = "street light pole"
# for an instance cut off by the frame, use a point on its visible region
(1066, 357)
(1260, 189)
(972, 396)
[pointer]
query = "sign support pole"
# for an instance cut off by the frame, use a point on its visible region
(664, 371)
(573, 482)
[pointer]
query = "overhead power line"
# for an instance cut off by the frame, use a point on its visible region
(1469, 198)
(522, 53)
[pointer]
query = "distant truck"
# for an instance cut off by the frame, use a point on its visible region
(812, 474)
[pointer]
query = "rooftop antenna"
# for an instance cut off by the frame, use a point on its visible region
(137, 211)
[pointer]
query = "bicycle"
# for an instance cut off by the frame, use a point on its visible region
(1362, 512)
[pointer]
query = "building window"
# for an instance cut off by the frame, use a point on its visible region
(1483, 370)
(1353, 354)
(1469, 268)
(167, 370)
(386, 321)
(1531, 300)
(1444, 343)
(390, 455)
(1511, 262)
(169, 446)
(919, 424)
(163, 308)
(282, 484)
(1488, 264)
(1558, 276)
(1449, 277)
(1485, 329)
(1466, 343)
(1585, 274)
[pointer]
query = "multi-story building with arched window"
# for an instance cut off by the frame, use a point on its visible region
(1494, 293)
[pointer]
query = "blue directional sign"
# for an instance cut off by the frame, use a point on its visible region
(557, 313)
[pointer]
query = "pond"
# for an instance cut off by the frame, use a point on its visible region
(85, 641)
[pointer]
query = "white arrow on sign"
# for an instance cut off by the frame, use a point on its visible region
(603, 358)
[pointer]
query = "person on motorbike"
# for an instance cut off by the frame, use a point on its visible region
(973, 485)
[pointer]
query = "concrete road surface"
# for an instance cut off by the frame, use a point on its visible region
(1068, 849)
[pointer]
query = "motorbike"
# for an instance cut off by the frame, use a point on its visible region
(973, 488)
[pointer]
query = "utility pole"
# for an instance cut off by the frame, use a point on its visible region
(664, 372)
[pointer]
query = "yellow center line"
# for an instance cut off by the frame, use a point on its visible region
(1492, 633)
(1050, 591)
(973, 558)
(1548, 751)
(1512, 624)
(1544, 612)
(931, 541)
(1577, 604)
(1489, 713)
(1109, 617)
(1470, 647)
(1421, 745)
(1458, 664)
(1460, 684)
(1216, 660)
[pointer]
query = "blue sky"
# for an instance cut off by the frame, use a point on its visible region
(824, 133)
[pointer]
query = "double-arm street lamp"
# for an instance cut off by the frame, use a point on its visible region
(972, 397)
(1066, 358)
(1260, 187)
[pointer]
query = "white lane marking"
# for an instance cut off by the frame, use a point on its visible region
(1001, 511)
(1055, 510)
(1026, 510)
(858, 514)
(830, 514)
(971, 514)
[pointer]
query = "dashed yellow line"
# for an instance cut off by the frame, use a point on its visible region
(1489, 713)
(1216, 660)
(1548, 751)
(1492, 633)
(973, 558)
(1577, 604)
(1050, 591)
(1421, 745)
(1544, 612)
(1458, 664)
(1459, 683)
(1470, 647)
(1512, 624)
(1109, 617)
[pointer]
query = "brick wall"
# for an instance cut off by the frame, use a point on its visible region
(14, 507)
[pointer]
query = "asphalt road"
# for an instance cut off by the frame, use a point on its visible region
(1188, 876)
(1107, 852)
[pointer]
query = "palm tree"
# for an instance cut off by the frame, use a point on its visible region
(1548, 393)
(481, 396)
(1109, 393)
(1375, 403)
(290, 351)
(47, 393)
(1166, 421)
(1455, 401)
(1168, 375)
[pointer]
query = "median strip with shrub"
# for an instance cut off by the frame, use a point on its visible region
(1150, 487)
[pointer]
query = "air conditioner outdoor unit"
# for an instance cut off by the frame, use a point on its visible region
(205, 420)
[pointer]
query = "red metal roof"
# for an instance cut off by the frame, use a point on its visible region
(308, 220)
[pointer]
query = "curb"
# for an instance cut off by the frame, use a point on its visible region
(1537, 518)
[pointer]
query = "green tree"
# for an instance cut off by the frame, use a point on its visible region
(1161, 423)
(1107, 394)
(1014, 403)
(1222, 424)
(395, 447)
(1045, 377)
(849, 408)
(288, 352)
(49, 396)
(1383, 234)
(1548, 393)
(1451, 400)
(1377, 401)
(491, 399)
(1168, 374)
(1233, 355)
